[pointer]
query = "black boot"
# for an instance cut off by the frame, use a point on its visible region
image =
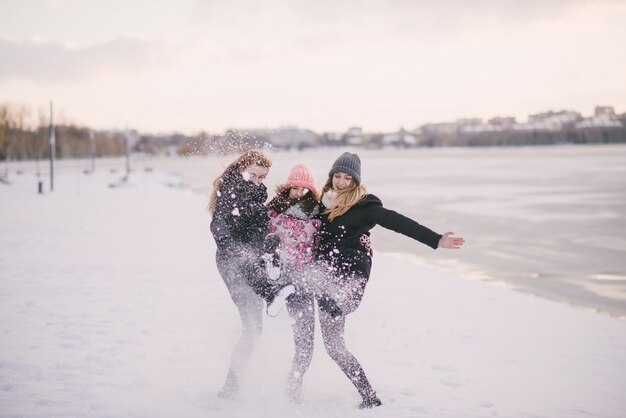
(277, 300)
(362, 384)
(328, 305)
(371, 401)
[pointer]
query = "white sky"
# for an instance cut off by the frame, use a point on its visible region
(325, 65)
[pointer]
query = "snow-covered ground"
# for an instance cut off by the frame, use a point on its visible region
(111, 306)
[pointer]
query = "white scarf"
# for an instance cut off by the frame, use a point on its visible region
(329, 199)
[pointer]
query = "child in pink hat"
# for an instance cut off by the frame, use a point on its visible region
(293, 230)
(300, 176)
(294, 217)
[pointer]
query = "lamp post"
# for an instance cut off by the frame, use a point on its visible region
(92, 142)
(52, 147)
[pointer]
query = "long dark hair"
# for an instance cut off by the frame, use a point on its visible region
(281, 201)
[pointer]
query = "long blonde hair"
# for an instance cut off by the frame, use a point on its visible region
(344, 200)
(238, 166)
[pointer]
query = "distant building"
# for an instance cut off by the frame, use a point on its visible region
(604, 127)
(604, 117)
(354, 136)
(504, 122)
(552, 121)
(332, 139)
(600, 121)
(604, 110)
(402, 138)
(469, 122)
(291, 137)
(440, 134)
(446, 128)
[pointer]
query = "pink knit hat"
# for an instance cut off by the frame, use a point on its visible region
(301, 176)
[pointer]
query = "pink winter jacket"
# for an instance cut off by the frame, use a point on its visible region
(297, 232)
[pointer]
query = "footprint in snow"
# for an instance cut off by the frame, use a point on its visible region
(452, 384)
(408, 392)
(443, 368)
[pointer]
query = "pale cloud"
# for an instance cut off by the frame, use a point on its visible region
(43, 61)
(323, 65)
(57, 5)
(298, 17)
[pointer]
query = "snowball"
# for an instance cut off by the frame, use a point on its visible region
(246, 176)
(235, 212)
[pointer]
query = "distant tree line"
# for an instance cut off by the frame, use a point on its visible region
(25, 137)
(566, 135)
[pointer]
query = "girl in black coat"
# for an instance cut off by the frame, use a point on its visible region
(344, 250)
(239, 226)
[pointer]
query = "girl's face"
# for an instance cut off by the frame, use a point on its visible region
(255, 173)
(341, 181)
(297, 193)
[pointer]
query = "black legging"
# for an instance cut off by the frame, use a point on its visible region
(348, 292)
(335, 344)
(301, 307)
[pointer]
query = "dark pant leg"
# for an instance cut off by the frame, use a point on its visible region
(334, 342)
(345, 288)
(250, 307)
(246, 262)
(301, 307)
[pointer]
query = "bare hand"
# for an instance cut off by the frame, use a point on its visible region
(449, 242)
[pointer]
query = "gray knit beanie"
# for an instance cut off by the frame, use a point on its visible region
(347, 163)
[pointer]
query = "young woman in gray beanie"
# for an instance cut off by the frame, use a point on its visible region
(345, 253)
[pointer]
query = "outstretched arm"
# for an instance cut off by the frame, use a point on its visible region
(447, 241)
(396, 222)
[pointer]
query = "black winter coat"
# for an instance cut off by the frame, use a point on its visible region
(345, 243)
(240, 217)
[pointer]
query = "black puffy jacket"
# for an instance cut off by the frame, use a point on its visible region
(345, 244)
(240, 216)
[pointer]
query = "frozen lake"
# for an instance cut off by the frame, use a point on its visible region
(550, 221)
(546, 220)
